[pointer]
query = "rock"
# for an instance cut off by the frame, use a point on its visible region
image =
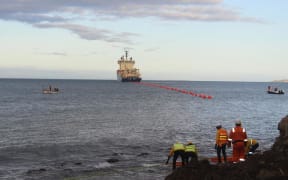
(283, 127)
(112, 160)
(281, 143)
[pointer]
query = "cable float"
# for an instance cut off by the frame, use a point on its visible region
(200, 95)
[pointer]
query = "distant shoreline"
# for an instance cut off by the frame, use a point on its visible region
(283, 80)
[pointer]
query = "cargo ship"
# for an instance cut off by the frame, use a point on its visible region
(126, 71)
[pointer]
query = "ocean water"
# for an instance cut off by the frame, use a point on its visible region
(96, 129)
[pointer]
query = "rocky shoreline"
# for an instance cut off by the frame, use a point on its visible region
(269, 165)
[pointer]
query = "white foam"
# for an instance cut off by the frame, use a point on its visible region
(149, 165)
(103, 165)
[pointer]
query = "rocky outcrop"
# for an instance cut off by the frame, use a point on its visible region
(281, 144)
(269, 165)
(283, 127)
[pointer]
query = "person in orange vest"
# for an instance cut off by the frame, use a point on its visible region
(221, 142)
(190, 153)
(238, 138)
(178, 149)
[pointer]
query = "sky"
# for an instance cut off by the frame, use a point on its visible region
(193, 40)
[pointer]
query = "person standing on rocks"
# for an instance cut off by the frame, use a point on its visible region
(221, 142)
(178, 149)
(238, 138)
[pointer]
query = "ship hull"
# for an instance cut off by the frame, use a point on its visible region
(127, 79)
(275, 92)
(134, 79)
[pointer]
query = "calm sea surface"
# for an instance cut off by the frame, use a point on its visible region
(112, 130)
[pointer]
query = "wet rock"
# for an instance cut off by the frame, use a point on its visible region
(112, 160)
(283, 127)
(270, 165)
(281, 143)
(62, 164)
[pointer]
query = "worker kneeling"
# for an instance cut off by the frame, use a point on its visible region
(178, 149)
(190, 153)
(251, 146)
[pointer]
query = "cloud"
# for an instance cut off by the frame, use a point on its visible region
(54, 53)
(90, 33)
(67, 14)
(58, 54)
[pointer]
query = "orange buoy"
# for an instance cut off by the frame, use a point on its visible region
(203, 96)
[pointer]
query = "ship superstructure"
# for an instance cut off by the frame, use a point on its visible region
(126, 71)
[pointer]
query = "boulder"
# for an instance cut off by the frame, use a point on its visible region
(281, 143)
(283, 127)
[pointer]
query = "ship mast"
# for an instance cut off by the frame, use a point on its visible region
(126, 54)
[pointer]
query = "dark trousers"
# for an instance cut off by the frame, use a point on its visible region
(223, 150)
(253, 147)
(190, 157)
(176, 154)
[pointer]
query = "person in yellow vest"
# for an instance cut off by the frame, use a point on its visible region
(178, 149)
(251, 146)
(190, 153)
(221, 142)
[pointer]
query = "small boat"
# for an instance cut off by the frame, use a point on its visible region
(50, 90)
(275, 90)
(47, 91)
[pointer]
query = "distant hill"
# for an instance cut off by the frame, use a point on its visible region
(283, 80)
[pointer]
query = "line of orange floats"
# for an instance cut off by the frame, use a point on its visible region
(200, 95)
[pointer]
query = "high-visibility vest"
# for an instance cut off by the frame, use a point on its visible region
(190, 148)
(222, 137)
(178, 146)
(249, 144)
(238, 134)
